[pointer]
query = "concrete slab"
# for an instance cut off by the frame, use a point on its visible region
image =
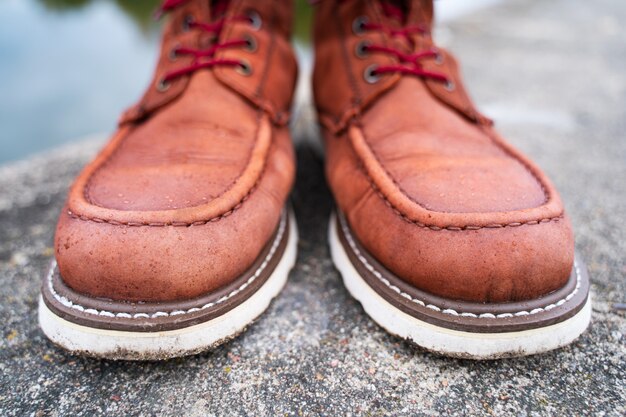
(553, 73)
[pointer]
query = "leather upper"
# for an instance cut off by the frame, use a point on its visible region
(190, 188)
(428, 187)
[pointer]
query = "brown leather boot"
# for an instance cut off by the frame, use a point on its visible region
(447, 235)
(176, 236)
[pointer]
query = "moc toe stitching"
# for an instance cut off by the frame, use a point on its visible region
(452, 227)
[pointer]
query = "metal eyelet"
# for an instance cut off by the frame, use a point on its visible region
(255, 19)
(187, 21)
(449, 86)
(251, 44)
(361, 49)
(438, 58)
(244, 68)
(163, 85)
(370, 76)
(358, 23)
(173, 55)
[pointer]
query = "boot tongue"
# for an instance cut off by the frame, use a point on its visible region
(219, 7)
(395, 9)
(421, 12)
(404, 11)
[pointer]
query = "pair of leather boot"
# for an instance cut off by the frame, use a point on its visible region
(177, 236)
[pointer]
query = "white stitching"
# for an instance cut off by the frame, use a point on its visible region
(68, 303)
(450, 311)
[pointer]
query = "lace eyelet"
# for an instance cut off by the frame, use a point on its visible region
(449, 85)
(187, 22)
(163, 85)
(358, 23)
(438, 58)
(251, 44)
(255, 19)
(370, 76)
(361, 49)
(173, 55)
(244, 68)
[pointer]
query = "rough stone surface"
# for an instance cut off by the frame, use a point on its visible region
(552, 74)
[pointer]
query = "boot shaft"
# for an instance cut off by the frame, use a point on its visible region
(277, 14)
(404, 12)
(250, 42)
(364, 48)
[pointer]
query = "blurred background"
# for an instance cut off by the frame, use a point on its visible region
(550, 72)
(68, 68)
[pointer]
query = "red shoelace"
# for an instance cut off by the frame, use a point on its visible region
(205, 58)
(409, 64)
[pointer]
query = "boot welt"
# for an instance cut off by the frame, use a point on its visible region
(459, 328)
(152, 331)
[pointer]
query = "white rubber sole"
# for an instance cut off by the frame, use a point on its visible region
(453, 342)
(115, 344)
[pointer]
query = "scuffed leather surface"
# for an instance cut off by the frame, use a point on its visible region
(442, 162)
(158, 263)
(435, 194)
(186, 155)
(183, 199)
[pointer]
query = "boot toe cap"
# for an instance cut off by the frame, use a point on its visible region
(499, 263)
(159, 263)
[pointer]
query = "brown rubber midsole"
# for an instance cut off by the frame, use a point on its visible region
(161, 316)
(462, 315)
